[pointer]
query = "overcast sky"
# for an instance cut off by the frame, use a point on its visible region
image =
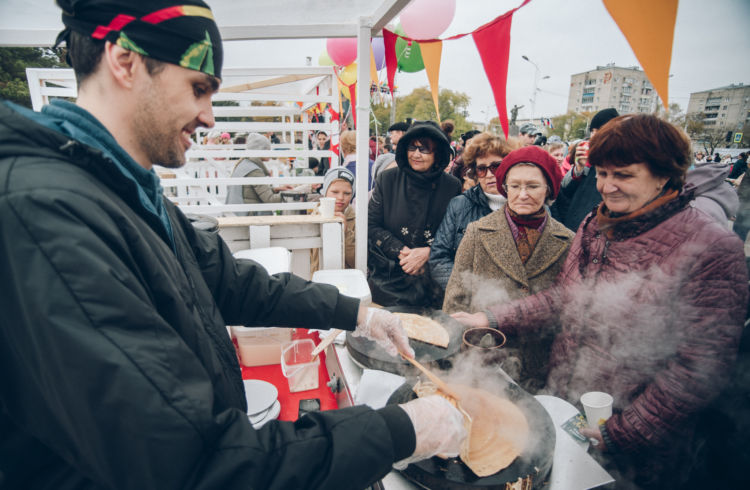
(563, 37)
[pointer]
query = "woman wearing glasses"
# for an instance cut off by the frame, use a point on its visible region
(406, 208)
(513, 252)
(651, 299)
(482, 158)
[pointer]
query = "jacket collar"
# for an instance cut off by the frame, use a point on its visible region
(67, 129)
(497, 240)
(476, 195)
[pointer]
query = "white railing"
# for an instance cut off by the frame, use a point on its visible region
(201, 185)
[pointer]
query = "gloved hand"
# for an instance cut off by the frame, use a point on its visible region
(439, 427)
(385, 328)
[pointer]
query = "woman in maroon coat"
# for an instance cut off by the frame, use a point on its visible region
(651, 299)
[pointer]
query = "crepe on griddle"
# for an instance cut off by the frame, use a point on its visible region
(498, 430)
(425, 329)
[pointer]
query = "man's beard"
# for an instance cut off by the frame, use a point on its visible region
(153, 128)
(158, 145)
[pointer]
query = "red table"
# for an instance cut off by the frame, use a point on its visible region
(290, 401)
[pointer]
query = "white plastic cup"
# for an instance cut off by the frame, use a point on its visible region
(598, 407)
(327, 206)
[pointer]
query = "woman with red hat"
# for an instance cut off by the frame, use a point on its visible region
(651, 303)
(520, 248)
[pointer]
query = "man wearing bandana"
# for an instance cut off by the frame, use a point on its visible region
(117, 371)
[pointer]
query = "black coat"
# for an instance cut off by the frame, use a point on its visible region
(577, 198)
(406, 209)
(738, 168)
(462, 210)
(117, 370)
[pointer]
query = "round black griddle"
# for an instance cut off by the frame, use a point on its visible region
(533, 465)
(369, 354)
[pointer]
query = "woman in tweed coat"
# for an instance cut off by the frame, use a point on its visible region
(513, 252)
(651, 301)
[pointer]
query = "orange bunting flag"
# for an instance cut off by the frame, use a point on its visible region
(431, 54)
(373, 68)
(649, 28)
(353, 102)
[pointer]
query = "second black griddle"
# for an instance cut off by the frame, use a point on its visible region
(533, 466)
(370, 355)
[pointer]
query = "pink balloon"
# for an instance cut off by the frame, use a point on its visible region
(427, 19)
(378, 49)
(342, 50)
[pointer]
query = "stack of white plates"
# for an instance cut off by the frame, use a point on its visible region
(262, 402)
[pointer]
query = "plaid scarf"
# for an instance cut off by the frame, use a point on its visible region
(526, 230)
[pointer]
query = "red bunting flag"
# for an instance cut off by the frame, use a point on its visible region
(493, 44)
(391, 61)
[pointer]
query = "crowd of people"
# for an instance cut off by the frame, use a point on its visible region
(613, 263)
(610, 264)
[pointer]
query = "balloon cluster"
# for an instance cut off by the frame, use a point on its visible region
(422, 19)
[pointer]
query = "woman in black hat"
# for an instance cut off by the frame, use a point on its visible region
(407, 206)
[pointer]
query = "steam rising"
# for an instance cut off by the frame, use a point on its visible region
(634, 316)
(627, 327)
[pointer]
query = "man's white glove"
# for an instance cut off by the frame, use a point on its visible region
(439, 427)
(385, 328)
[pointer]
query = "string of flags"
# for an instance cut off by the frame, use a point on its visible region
(648, 27)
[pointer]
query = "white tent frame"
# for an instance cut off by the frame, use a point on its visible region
(362, 27)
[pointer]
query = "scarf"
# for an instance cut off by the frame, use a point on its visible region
(609, 222)
(620, 228)
(526, 230)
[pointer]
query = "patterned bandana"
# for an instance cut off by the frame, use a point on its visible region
(181, 32)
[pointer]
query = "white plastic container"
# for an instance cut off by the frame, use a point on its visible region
(260, 346)
(298, 365)
(351, 282)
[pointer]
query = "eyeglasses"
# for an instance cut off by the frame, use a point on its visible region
(529, 188)
(482, 171)
(421, 149)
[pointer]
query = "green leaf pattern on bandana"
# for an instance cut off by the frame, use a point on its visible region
(199, 56)
(125, 42)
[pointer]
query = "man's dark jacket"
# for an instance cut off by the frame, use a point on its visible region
(577, 198)
(117, 370)
(738, 168)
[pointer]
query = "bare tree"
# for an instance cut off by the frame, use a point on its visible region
(706, 135)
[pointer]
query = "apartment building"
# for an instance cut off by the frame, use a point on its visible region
(724, 108)
(626, 89)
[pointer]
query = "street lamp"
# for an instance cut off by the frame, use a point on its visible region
(537, 72)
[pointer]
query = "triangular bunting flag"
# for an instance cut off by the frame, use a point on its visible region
(391, 62)
(431, 54)
(649, 28)
(353, 102)
(493, 44)
(373, 68)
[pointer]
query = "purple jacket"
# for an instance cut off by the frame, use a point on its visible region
(654, 318)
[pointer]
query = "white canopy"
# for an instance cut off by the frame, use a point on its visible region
(37, 22)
